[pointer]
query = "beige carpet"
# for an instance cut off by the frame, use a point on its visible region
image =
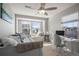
(49, 51)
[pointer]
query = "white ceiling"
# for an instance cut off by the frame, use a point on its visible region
(19, 8)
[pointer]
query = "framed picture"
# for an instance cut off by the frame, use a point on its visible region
(0, 9)
(6, 16)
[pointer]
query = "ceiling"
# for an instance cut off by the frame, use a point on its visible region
(19, 8)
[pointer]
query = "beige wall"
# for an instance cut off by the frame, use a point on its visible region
(5, 27)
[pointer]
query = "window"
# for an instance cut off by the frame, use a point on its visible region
(70, 24)
(36, 27)
(33, 28)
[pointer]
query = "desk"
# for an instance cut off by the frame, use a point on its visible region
(71, 44)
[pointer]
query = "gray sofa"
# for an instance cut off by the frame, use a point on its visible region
(24, 49)
(13, 46)
(11, 51)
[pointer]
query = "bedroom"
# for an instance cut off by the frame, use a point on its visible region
(17, 19)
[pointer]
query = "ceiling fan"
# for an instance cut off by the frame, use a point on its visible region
(42, 9)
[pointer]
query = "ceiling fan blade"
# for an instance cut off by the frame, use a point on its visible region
(52, 8)
(28, 7)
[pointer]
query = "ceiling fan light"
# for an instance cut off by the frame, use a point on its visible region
(41, 11)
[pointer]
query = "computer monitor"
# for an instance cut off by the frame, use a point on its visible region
(60, 32)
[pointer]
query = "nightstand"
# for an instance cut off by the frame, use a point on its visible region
(46, 38)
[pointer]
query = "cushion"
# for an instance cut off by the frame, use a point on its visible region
(27, 39)
(22, 38)
(9, 41)
(15, 38)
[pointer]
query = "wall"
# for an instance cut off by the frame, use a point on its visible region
(5, 27)
(55, 21)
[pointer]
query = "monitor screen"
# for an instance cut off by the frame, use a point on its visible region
(60, 33)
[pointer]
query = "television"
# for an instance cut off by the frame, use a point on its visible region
(60, 32)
